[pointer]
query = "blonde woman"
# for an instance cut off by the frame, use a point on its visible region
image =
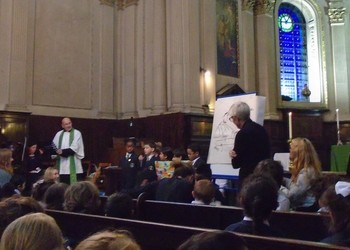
(36, 231)
(51, 174)
(305, 169)
(5, 166)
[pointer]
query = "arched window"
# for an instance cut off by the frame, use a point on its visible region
(300, 57)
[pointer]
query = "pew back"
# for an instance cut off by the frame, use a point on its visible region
(294, 225)
(162, 236)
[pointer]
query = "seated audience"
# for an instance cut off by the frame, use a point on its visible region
(15, 186)
(216, 240)
(166, 154)
(119, 205)
(178, 156)
(203, 193)
(305, 169)
(178, 188)
(6, 169)
(54, 196)
(51, 174)
(33, 163)
(39, 191)
(109, 240)
(82, 197)
(339, 209)
(206, 174)
(258, 198)
(36, 231)
(275, 170)
(15, 207)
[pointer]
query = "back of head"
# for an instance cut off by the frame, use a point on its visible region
(36, 231)
(40, 189)
(204, 190)
(15, 207)
(216, 240)
(183, 171)
(168, 152)
(339, 206)
(54, 196)
(109, 240)
(272, 168)
(241, 110)
(119, 205)
(259, 197)
(82, 197)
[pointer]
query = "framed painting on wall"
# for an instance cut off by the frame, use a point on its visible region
(227, 37)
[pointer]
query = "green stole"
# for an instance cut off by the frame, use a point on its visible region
(72, 168)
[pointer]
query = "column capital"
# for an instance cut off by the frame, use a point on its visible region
(108, 2)
(336, 15)
(248, 5)
(264, 7)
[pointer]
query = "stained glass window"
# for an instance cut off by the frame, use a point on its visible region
(293, 53)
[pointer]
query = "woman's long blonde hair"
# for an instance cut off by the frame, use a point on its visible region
(36, 231)
(6, 159)
(305, 156)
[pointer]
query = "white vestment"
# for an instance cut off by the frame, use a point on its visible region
(77, 146)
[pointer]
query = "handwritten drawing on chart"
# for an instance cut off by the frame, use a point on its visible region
(224, 131)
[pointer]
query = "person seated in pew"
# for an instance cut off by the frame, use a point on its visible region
(54, 196)
(178, 156)
(275, 170)
(178, 188)
(15, 207)
(206, 174)
(109, 240)
(258, 198)
(215, 240)
(305, 169)
(82, 197)
(339, 210)
(119, 205)
(166, 154)
(36, 231)
(203, 193)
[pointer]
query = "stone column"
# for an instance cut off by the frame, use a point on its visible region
(159, 57)
(126, 63)
(20, 74)
(247, 52)
(336, 14)
(104, 37)
(266, 56)
(183, 74)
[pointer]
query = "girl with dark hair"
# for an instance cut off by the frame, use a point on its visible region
(258, 199)
(339, 210)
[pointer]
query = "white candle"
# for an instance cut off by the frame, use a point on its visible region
(290, 125)
(337, 116)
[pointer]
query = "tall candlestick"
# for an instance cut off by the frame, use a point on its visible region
(337, 117)
(290, 125)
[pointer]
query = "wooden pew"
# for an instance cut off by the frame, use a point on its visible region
(295, 225)
(162, 236)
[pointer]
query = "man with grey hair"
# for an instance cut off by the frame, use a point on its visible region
(251, 143)
(70, 151)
